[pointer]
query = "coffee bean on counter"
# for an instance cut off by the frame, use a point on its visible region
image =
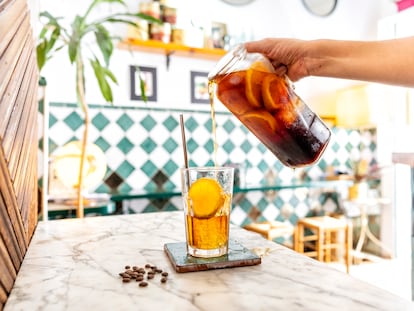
(138, 273)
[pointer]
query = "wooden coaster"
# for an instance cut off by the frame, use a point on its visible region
(238, 256)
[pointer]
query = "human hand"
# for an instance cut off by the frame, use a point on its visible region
(286, 55)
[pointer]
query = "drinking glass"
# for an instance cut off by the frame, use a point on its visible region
(207, 197)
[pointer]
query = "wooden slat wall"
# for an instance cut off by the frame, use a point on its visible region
(18, 140)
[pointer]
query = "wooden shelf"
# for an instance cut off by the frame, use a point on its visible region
(168, 49)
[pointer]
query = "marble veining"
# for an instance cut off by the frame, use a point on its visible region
(73, 264)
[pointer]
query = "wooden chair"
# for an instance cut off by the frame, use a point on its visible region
(324, 242)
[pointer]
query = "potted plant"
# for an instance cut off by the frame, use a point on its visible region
(54, 37)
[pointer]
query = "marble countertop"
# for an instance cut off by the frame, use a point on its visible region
(74, 264)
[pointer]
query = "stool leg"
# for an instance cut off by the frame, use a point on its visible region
(319, 245)
(299, 246)
(348, 246)
(335, 251)
(328, 249)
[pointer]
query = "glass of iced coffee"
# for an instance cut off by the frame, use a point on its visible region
(267, 105)
(207, 196)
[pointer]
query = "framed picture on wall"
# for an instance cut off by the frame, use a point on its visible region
(149, 79)
(199, 87)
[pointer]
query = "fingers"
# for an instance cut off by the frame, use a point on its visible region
(261, 46)
(280, 69)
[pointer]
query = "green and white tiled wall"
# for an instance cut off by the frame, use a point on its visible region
(143, 149)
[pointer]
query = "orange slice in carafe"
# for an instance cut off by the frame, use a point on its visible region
(206, 197)
(254, 77)
(274, 92)
(260, 120)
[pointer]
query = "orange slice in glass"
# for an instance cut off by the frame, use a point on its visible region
(260, 121)
(206, 196)
(274, 92)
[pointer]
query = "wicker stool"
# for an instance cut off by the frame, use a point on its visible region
(324, 238)
(270, 229)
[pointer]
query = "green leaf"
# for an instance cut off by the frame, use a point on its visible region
(100, 74)
(128, 18)
(142, 87)
(53, 38)
(110, 75)
(104, 42)
(75, 38)
(41, 54)
(52, 20)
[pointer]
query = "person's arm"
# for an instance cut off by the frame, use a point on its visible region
(388, 61)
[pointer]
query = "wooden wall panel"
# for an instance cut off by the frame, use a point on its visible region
(18, 140)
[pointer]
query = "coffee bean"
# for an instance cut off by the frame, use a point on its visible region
(138, 273)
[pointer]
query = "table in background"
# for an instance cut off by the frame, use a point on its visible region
(73, 264)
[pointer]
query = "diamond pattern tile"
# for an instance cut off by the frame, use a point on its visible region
(148, 123)
(113, 181)
(170, 123)
(170, 145)
(149, 168)
(125, 169)
(100, 121)
(148, 145)
(74, 121)
(102, 143)
(125, 122)
(125, 145)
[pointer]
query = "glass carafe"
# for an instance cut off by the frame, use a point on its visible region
(267, 105)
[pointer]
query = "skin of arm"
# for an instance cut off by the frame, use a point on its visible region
(386, 61)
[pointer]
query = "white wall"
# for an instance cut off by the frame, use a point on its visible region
(352, 19)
